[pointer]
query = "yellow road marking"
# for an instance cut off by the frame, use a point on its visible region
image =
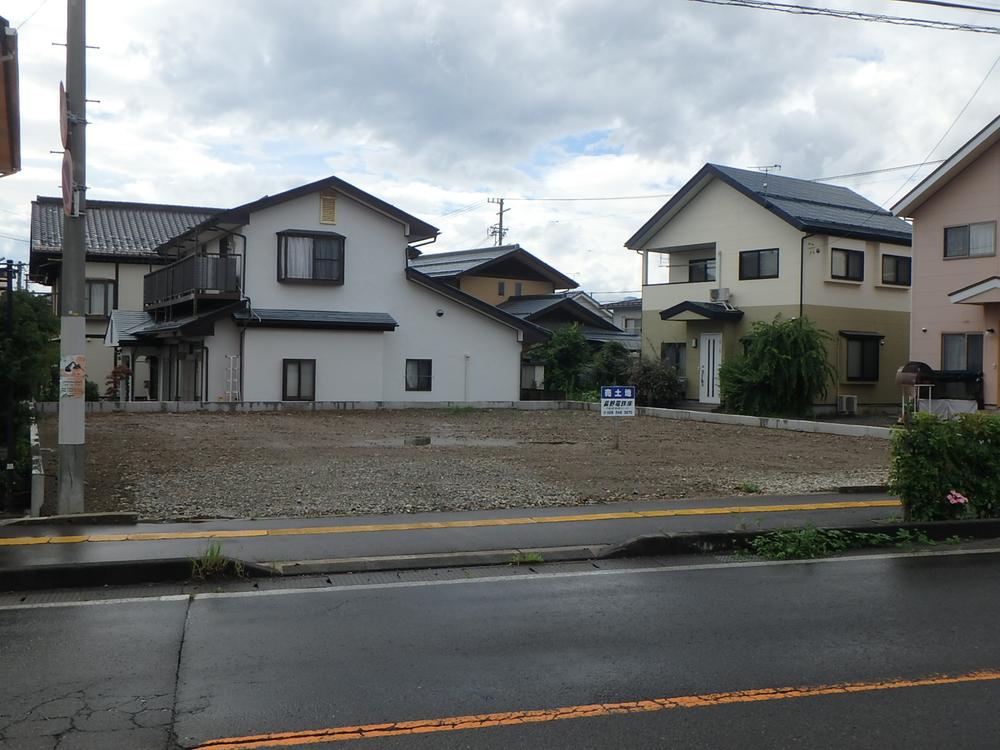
(157, 536)
(513, 718)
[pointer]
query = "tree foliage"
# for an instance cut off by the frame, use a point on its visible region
(783, 371)
(564, 356)
(27, 359)
(610, 365)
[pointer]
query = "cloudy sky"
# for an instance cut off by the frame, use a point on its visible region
(437, 106)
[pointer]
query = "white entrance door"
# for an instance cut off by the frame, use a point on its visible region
(710, 346)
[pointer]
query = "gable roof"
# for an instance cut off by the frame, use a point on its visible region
(415, 229)
(115, 230)
(530, 331)
(806, 205)
(692, 310)
(503, 261)
(951, 168)
(535, 307)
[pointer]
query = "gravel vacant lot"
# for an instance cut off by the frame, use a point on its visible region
(327, 463)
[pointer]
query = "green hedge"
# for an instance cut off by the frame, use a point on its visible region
(932, 459)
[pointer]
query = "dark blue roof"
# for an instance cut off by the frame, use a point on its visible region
(807, 205)
(279, 318)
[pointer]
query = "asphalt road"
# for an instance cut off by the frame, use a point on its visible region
(149, 673)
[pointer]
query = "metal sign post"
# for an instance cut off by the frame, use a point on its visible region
(617, 401)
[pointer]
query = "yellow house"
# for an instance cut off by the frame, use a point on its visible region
(733, 247)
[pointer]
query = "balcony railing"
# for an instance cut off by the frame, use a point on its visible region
(192, 277)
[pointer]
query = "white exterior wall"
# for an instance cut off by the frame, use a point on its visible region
(474, 357)
(226, 341)
(348, 363)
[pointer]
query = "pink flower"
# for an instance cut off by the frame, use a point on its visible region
(957, 498)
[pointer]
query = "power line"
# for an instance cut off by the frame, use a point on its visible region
(16, 239)
(32, 14)
(853, 15)
(950, 127)
(598, 198)
(875, 171)
(956, 6)
(461, 209)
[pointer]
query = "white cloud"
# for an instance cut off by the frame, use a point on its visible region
(437, 105)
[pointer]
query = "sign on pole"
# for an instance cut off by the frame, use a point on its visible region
(617, 400)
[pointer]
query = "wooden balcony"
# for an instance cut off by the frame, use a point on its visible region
(193, 278)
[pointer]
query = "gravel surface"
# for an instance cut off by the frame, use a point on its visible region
(329, 463)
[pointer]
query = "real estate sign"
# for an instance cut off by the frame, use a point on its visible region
(617, 400)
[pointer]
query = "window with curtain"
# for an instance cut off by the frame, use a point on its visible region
(99, 298)
(759, 264)
(298, 380)
(962, 351)
(418, 374)
(847, 264)
(896, 270)
(311, 257)
(970, 240)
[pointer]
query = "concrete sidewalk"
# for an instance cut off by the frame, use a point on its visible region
(356, 543)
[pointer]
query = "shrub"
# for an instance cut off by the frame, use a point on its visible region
(947, 469)
(656, 383)
(91, 391)
(610, 366)
(784, 370)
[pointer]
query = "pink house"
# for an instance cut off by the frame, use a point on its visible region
(956, 270)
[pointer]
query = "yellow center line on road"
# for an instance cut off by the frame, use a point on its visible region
(157, 536)
(514, 718)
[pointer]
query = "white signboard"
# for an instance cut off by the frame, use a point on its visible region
(617, 400)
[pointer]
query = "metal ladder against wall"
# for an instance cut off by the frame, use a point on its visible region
(233, 377)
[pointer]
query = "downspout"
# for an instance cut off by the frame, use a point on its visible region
(802, 272)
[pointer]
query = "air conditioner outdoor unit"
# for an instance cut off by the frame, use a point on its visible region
(847, 404)
(719, 295)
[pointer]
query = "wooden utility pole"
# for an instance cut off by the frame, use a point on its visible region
(73, 319)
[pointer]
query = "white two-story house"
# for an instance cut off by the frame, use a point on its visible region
(307, 295)
(735, 246)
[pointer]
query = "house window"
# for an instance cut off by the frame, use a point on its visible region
(99, 298)
(418, 374)
(518, 288)
(633, 325)
(896, 270)
(862, 357)
(970, 240)
(702, 269)
(674, 355)
(847, 264)
(305, 257)
(962, 351)
(759, 264)
(298, 377)
(501, 288)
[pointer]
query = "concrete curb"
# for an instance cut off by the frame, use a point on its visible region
(696, 542)
(119, 573)
(118, 518)
(434, 560)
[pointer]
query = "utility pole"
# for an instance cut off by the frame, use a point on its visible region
(72, 321)
(8, 396)
(497, 229)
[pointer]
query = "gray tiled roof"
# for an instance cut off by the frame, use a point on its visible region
(121, 229)
(817, 205)
(317, 318)
(484, 259)
(458, 261)
(124, 322)
(531, 304)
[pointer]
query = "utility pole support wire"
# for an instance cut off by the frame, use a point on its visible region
(72, 293)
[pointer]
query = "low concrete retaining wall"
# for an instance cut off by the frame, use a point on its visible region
(180, 407)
